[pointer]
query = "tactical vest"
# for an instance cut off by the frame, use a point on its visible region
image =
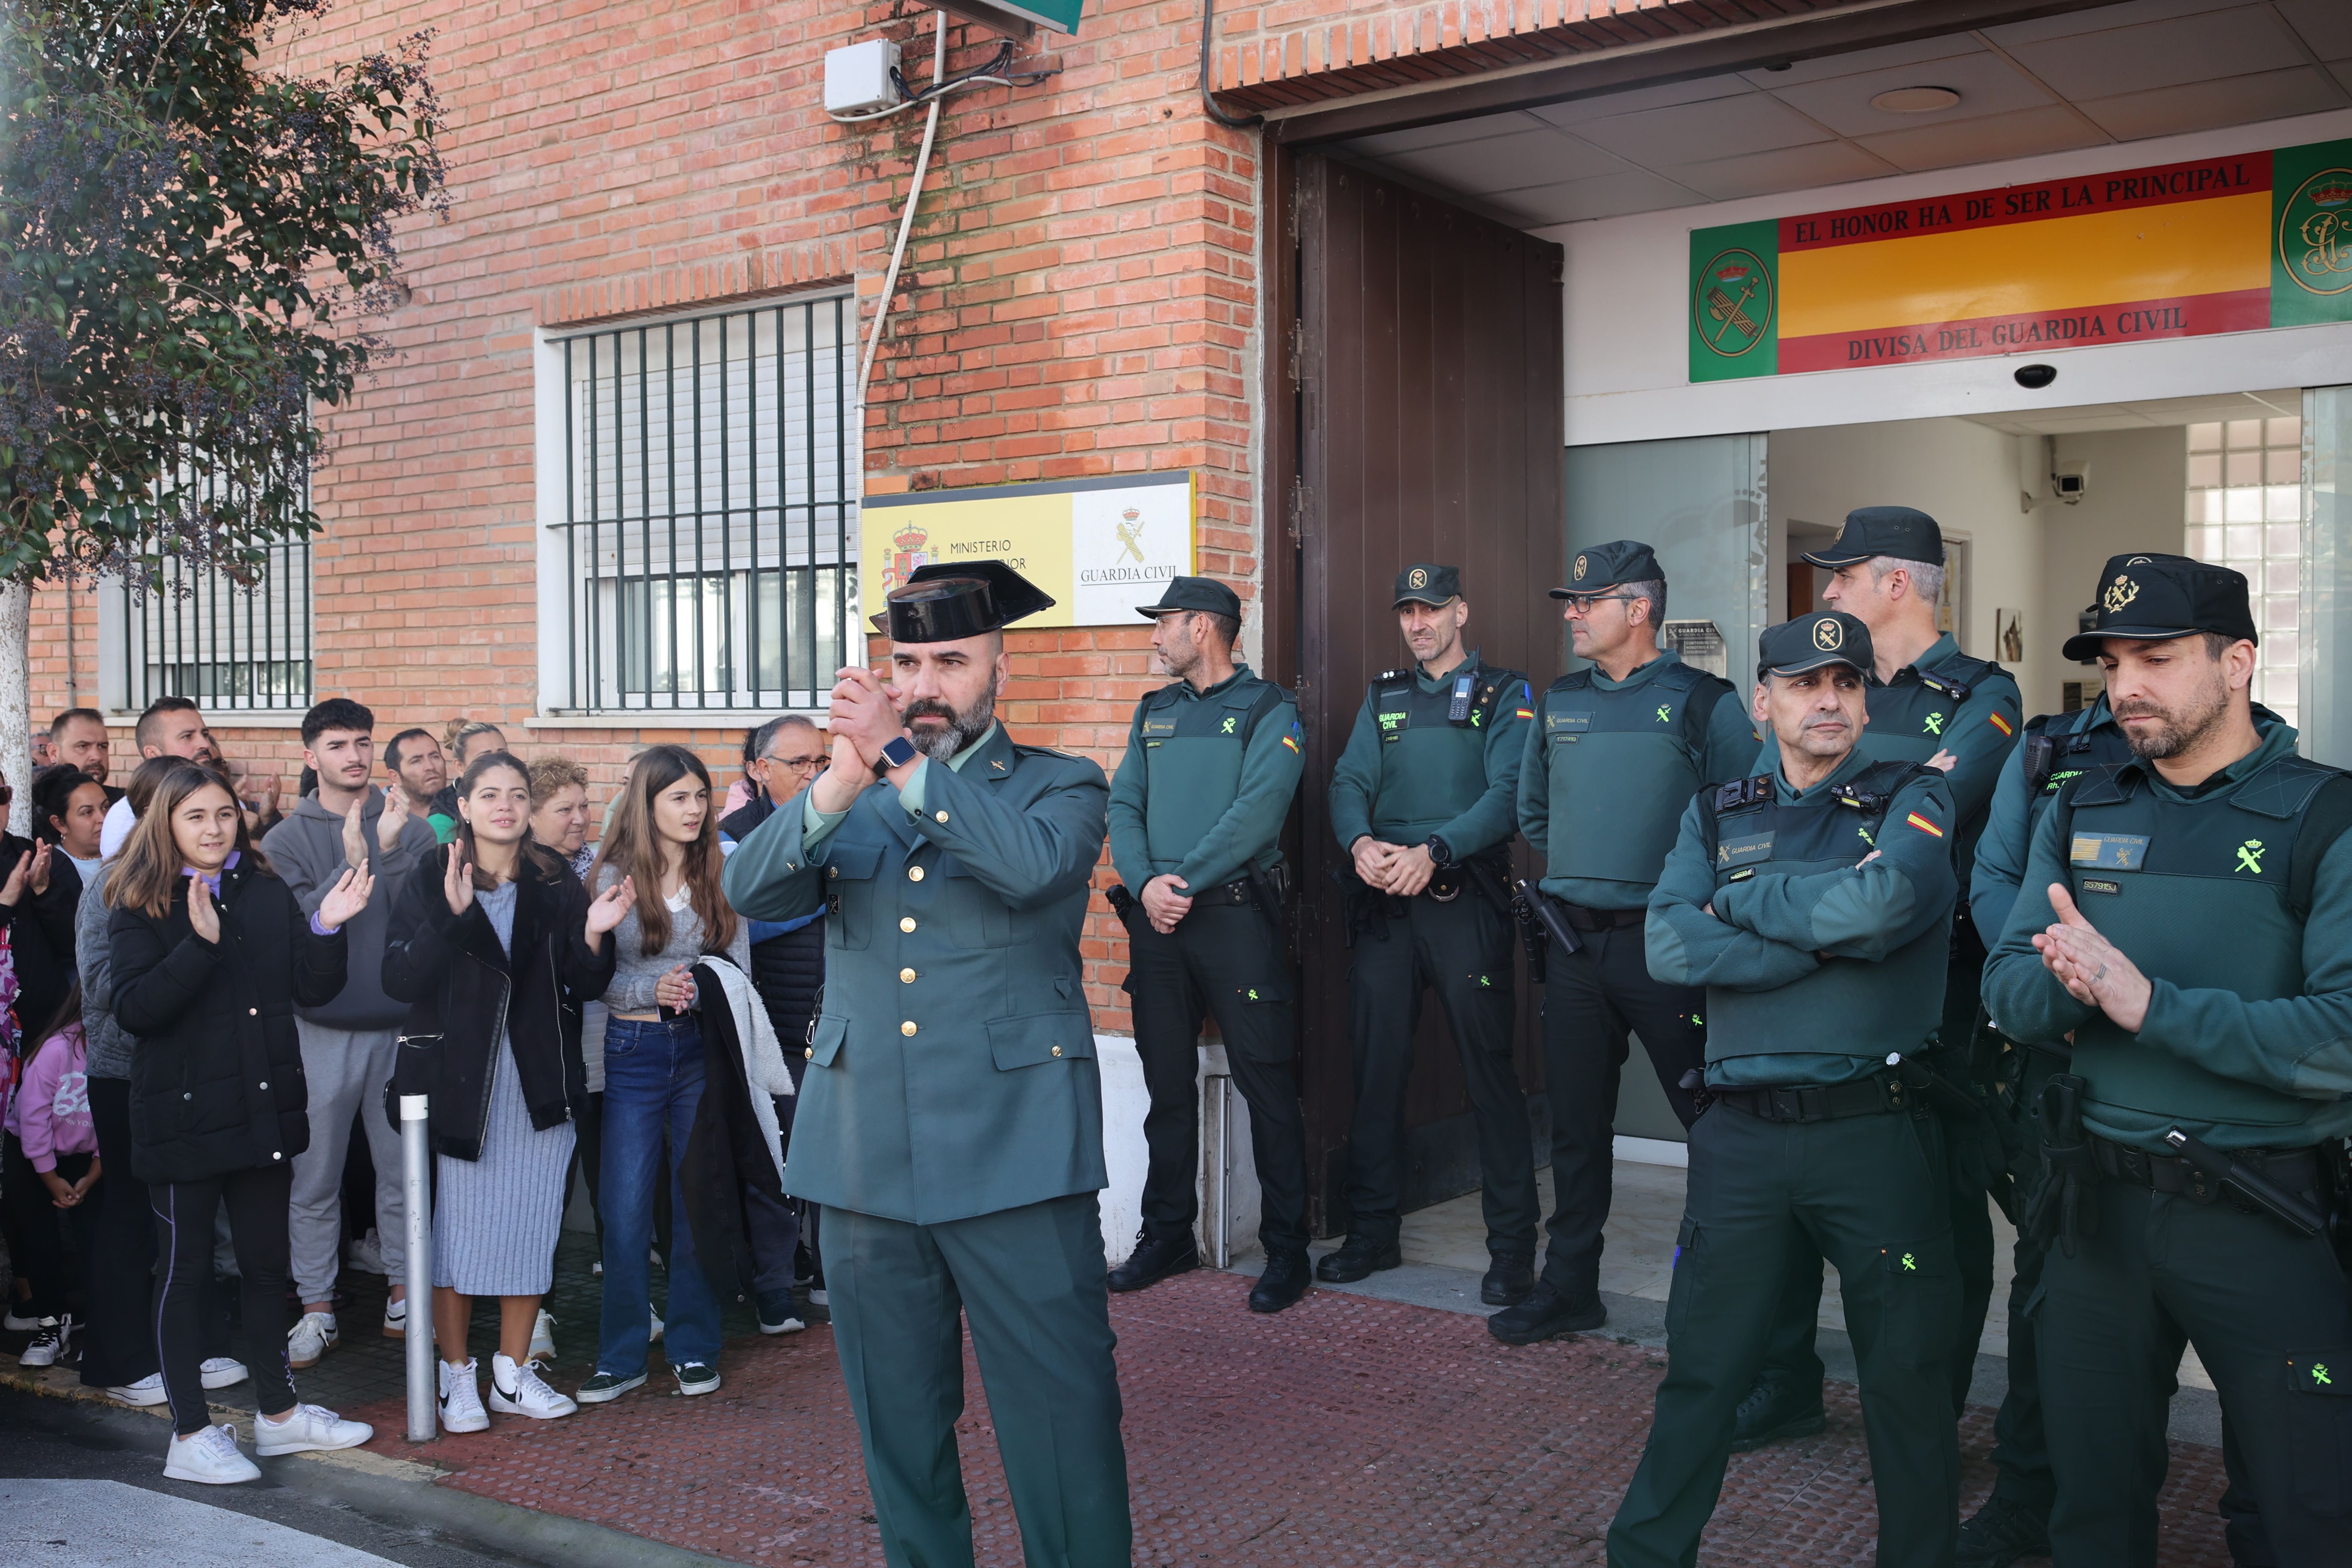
(2207, 894)
(1848, 1006)
(1434, 744)
(1193, 752)
(1622, 765)
(1911, 723)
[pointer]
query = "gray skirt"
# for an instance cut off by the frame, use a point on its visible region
(496, 1219)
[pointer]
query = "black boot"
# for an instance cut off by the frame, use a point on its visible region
(1771, 1413)
(1284, 1281)
(2001, 1533)
(1510, 1277)
(1547, 1313)
(1155, 1257)
(1358, 1258)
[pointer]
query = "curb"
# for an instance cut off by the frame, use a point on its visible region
(404, 1491)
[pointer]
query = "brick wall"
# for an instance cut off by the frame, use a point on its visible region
(1079, 299)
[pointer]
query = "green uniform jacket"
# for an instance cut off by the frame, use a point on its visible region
(1634, 767)
(1406, 778)
(1201, 794)
(1812, 975)
(2280, 1065)
(952, 1066)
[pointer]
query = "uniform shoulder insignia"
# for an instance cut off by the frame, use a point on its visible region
(1020, 749)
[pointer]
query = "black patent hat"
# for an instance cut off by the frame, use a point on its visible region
(1903, 533)
(1809, 642)
(944, 602)
(2155, 597)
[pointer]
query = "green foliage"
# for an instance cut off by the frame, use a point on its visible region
(184, 239)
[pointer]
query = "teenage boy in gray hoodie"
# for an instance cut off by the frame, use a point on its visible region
(348, 1044)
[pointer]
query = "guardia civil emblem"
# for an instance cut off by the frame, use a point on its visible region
(2120, 592)
(2314, 233)
(1418, 579)
(1732, 303)
(1577, 576)
(1828, 635)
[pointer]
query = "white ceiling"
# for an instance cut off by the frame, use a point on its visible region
(2158, 412)
(2119, 73)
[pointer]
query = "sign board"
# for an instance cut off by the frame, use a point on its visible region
(1100, 546)
(2219, 245)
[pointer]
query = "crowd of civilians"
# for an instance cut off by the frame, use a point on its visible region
(210, 1000)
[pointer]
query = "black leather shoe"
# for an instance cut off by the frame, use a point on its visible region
(1547, 1313)
(1155, 1257)
(1284, 1281)
(1771, 1413)
(2001, 1533)
(1508, 1280)
(1357, 1258)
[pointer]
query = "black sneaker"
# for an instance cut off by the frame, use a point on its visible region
(1509, 1281)
(607, 1386)
(1771, 1413)
(779, 1313)
(2002, 1531)
(1155, 1257)
(696, 1378)
(1547, 1313)
(1284, 1281)
(1358, 1257)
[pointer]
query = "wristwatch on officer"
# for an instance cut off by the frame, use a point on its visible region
(1438, 852)
(896, 754)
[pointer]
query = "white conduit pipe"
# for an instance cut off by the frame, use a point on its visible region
(906, 221)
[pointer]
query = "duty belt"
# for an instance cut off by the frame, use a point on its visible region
(2296, 1170)
(1582, 919)
(1234, 892)
(1874, 1096)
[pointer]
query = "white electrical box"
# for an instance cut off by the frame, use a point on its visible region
(857, 79)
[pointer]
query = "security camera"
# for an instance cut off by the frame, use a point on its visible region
(2070, 484)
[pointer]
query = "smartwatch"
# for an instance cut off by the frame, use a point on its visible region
(897, 753)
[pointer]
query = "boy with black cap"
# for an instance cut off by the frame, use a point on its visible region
(2187, 917)
(1812, 903)
(1423, 802)
(1196, 810)
(951, 1121)
(1616, 751)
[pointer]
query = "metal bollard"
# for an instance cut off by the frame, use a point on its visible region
(1221, 1097)
(416, 1170)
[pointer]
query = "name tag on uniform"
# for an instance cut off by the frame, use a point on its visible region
(1394, 724)
(1159, 726)
(1567, 726)
(1744, 851)
(2108, 851)
(2100, 885)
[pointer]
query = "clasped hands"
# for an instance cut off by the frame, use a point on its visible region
(2093, 970)
(1393, 868)
(863, 718)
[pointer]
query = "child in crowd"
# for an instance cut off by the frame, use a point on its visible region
(52, 1166)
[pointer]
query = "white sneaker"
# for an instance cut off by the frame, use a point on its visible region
(210, 1457)
(51, 1339)
(366, 1254)
(220, 1371)
(148, 1389)
(461, 1400)
(542, 1340)
(817, 1298)
(654, 1338)
(531, 1395)
(306, 1429)
(395, 1318)
(311, 1338)
(18, 1323)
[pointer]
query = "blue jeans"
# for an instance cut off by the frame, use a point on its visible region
(653, 1081)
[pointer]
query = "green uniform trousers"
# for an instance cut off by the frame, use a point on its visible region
(1030, 1281)
(1765, 1198)
(1460, 949)
(2271, 1315)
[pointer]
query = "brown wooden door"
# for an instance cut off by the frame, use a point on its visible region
(1418, 417)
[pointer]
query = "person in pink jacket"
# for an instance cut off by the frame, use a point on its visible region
(52, 1158)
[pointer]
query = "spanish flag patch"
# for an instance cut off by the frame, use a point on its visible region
(1526, 712)
(1292, 744)
(1924, 825)
(2000, 724)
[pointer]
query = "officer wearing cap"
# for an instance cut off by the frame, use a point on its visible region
(1616, 751)
(1928, 703)
(2052, 750)
(951, 1121)
(1196, 810)
(1812, 903)
(1423, 802)
(2187, 917)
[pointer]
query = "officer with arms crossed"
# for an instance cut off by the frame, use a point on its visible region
(2187, 916)
(1616, 752)
(1422, 800)
(1212, 760)
(1813, 903)
(1930, 704)
(951, 1121)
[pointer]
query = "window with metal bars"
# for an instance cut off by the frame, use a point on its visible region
(232, 644)
(710, 521)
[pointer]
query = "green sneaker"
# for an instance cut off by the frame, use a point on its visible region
(607, 1386)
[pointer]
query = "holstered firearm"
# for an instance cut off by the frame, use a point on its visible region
(1359, 904)
(1265, 891)
(2288, 1208)
(1972, 1131)
(1694, 1083)
(1122, 902)
(2063, 1208)
(1540, 908)
(1532, 939)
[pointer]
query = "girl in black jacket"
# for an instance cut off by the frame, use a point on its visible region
(211, 956)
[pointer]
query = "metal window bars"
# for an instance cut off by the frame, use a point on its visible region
(232, 645)
(710, 515)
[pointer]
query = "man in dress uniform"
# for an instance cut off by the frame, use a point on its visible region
(1931, 703)
(1422, 800)
(1212, 760)
(1814, 904)
(2187, 917)
(950, 1122)
(1616, 752)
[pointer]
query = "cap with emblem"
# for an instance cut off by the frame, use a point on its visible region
(1426, 584)
(1605, 566)
(1809, 642)
(1902, 532)
(1205, 594)
(2153, 597)
(946, 603)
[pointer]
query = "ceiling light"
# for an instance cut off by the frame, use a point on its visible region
(1915, 99)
